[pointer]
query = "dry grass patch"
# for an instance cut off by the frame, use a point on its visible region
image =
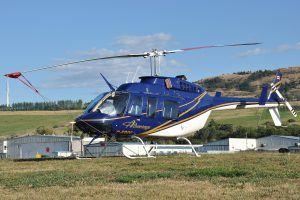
(226, 176)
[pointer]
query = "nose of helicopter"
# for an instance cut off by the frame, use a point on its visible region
(88, 124)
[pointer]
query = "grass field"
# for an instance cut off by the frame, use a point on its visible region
(25, 122)
(250, 117)
(227, 176)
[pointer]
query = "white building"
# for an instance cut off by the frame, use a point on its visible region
(229, 145)
(269, 143)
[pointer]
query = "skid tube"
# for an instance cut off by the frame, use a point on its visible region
(144, 147)
(188, 141)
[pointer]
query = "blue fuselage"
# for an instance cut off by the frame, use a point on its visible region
(151, 106)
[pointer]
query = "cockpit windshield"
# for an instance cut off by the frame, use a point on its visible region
(113, 104)
(94, 102)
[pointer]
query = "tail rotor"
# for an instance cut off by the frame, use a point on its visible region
(275, 94)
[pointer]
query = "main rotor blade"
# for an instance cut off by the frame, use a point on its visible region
(153, 53)
(88, 60)
(210, 46)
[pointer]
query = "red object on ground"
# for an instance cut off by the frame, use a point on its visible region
(14, 75)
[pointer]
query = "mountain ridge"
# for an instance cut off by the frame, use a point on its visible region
(249, 84)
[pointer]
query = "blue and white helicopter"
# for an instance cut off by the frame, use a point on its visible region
(160, 106)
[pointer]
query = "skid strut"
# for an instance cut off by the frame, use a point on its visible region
(144, 147)
(183, 138)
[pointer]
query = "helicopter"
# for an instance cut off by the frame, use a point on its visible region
(161, 106)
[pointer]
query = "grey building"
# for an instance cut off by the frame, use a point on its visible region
(275, 142)
(47, 145)
(269, 143)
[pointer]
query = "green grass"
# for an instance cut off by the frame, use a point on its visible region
(134, 177)
(17, 123)
(250, 117)
(248, 175)
(26, 122)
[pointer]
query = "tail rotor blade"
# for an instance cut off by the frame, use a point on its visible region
(288, 105)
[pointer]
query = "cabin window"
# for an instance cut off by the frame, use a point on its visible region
(170, 110)
(136, 106)
(151, 107)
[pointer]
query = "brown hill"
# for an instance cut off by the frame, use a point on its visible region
(248, 84)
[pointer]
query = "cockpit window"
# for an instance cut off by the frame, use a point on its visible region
(114, 105)
(94, 103)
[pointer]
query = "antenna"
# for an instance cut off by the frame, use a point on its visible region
(127, 76)
(136, 71)
(7, 93)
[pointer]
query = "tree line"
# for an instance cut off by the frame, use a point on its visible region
(217, 131)
(51, 105)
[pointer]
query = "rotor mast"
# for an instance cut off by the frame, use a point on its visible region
(154, 57)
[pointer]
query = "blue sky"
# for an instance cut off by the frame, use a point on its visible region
(40, 33)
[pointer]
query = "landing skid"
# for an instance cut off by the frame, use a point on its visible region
(195, 152)
(137, 155)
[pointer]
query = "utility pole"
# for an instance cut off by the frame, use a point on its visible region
(72, 127)
(7, 93)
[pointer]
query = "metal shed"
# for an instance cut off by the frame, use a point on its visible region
(30, 146)
(275, 142)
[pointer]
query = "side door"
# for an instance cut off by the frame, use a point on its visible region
(135, 106)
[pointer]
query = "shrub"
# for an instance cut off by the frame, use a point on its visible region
(44, 131)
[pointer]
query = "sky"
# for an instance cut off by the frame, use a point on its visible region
(41, 33)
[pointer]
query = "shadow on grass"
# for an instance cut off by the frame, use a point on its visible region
(130, 178)
(217, 172)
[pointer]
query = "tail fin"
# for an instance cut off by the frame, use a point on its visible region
(275, 86)
(275, 95)
(263, 95)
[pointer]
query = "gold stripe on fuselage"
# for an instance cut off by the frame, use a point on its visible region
(183, 120)
(161, 126)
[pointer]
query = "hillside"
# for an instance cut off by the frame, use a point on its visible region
(248, 84)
